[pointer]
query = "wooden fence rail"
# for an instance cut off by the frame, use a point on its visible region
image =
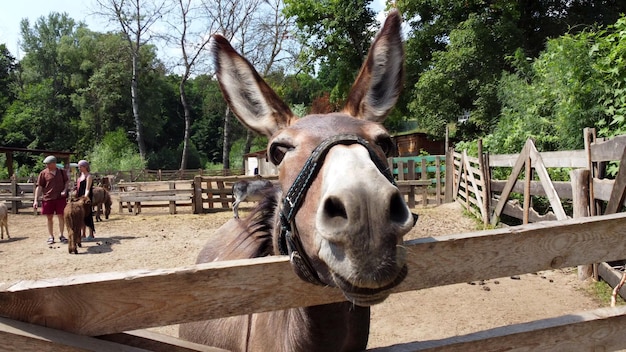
(214, 191)
(124, 301)
(16, 193)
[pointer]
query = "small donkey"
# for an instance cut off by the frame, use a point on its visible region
(251, 191)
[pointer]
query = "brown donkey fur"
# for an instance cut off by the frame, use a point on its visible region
(74, 215)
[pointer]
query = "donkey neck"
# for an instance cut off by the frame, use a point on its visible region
(329, 327)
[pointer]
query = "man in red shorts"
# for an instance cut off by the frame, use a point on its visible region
(52, 184)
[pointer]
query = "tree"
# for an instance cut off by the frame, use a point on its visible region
(192, 43)
(336, 36)
(135, 19)
(444, 32)
(47, 78)
(610, 51)
(257, 30)
(576, 82)
(8, 66)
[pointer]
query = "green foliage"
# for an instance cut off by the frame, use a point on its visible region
(610, 50)
(237, 151)
(457, 54)
(551, 100)
(115, 152)
(336, 35)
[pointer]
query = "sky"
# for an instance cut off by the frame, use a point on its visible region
(12, 13)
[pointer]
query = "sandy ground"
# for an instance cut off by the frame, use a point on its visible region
(155, 239)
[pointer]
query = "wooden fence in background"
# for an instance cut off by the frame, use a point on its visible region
(420, 178)
(422, 181)
(489, 198)
(17, 194)
(590, 190)
(216, 191)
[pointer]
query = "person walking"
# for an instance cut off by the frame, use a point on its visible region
(84, 186)
(52, 186)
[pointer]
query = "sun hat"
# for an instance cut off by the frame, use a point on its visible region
(50, 159)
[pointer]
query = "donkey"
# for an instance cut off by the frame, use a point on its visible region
(4, 220)
(74, 215)
(101, 196)
(337, 214)
(252, 191)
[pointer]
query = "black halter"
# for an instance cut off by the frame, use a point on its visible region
(289, 241)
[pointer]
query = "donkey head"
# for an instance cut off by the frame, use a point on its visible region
(342, 218)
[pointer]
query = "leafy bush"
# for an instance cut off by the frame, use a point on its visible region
(115, 152)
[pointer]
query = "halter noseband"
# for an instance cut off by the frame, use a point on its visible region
(289, 242)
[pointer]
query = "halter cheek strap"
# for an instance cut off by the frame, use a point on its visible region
(289, 242)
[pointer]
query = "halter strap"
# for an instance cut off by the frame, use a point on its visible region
(289, 242)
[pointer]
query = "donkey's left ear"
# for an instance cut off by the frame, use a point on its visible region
(252, 100)
(379, 82)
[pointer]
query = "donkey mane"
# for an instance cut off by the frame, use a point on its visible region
(253, 233)
(260, 223)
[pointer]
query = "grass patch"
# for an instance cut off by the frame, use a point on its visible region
(477, 221)
(602, 291)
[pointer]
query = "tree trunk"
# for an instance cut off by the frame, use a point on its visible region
(227, 141)
(187, 111)
(247, 146)
(134, 93)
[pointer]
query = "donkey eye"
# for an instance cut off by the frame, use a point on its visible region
(277, 152)
(386, 145)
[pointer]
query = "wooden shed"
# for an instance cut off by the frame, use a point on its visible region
(411, 144)
(256, 163)
(62, 156)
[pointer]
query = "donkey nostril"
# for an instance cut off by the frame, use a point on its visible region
(398, 211)
(334, 208)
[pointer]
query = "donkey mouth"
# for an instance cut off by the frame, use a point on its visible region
(365, 296)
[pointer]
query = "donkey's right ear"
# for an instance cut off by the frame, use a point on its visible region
(252, 100)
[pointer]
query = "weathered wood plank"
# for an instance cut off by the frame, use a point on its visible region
(602, 329)
(139, 299)
(608, 150)
(565, 158)
(162, 192)
(24, 337)
(153, 198)
(512, 208)
(602, 188)
(506, 191)
(542, 172)
(619, 188)
(156, 342)
(563, 189)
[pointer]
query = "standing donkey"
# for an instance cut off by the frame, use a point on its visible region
(101, 196)
(251, 191)
(338, 213)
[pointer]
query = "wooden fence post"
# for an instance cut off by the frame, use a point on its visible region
(483, 175)
(528, 175)
(197, 195)
(438, 182)
(449, 186)
(14, 203)
(172, 185)
(580, 203)
(424, 176)
(410, 176)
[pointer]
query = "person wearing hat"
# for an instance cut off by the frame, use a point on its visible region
(52, 185)
(84, 186)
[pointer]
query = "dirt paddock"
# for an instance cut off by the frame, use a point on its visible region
(155, 239)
